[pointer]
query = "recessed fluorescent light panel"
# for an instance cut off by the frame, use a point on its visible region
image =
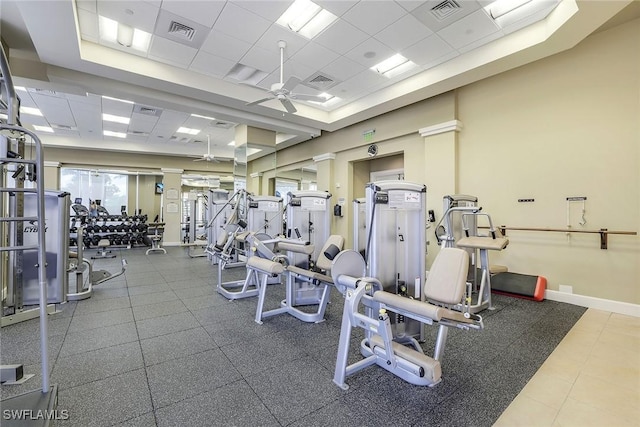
(43, 128)
(393, 66)
(188, 131)
(114, 32)
(115, 119)
(117, 99)
(114, 134)
(30, 110)
(202, 117)
(501, 7)
(232, 144)
(306, 18)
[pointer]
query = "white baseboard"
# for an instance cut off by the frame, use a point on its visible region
(593, 302)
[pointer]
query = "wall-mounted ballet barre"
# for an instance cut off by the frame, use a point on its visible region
(603, 232)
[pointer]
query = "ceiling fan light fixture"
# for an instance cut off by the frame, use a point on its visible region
(306, 18)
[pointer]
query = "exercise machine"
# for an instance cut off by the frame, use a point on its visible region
(218, 212)
(368, 306)
(264, 222)
(298, 279)
(395, 249)
(156, 232)
(360, 225)
(461, 229)
(15, 170)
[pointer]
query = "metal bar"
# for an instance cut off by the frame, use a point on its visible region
(20, 218)
(17, 190)
(18, 248)
(563, 230)
(22, 161)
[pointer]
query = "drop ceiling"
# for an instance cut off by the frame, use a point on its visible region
(58, 56)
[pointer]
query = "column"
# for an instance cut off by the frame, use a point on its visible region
(326, 181)
(441, 169)
(52, 175)
(172, 206)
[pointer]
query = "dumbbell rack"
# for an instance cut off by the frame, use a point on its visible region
(122, 231)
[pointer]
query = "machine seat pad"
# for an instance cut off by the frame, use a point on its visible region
(242, 237)
(432, 368)
(310, 274)
(296, 247)
(265, 265)
(73, 254)
(478, 242)
(418, 307)
(103, 243)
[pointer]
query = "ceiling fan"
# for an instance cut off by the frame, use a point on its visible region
(208, 157)
(282, 91)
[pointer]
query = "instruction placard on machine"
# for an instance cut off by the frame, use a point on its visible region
(409, 200)
(313, 204)
(267, 206)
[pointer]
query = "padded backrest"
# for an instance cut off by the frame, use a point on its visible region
(323, 262)
(448, 276)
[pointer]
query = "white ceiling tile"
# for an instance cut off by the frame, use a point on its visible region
(241, 24)
(403, 33)
(337, 7)
(410, 5)
(137, 14)
(88, 24)
(341, 37)
(268, 9)
(206, 63)
(117, 108)
(264, 60)
(291, 69)
(225, 46)
(343, 68)
(371, 16)
(427, 50)
(374, 50)
(88, 99)
(87, 116)
(202, 12)
(425, 15)
(26, 100)
(275, 33)
(440, 60)
(56, 110)
(142, 122)
(469, 29)
(315, 56)
(172, 119)
(171, 52)
(28, 119)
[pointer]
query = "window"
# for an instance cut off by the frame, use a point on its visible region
(285, 186)
(110, 188)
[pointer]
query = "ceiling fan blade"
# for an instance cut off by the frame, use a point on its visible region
(260, 101)
(304, 97)
(291, 83)
(201, 159)
(288, 105)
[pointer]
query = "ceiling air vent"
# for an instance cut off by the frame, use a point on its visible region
(147, 111)
(320, 81)
(137, 133)
(179, 139)
(222, 125)
(64, 127)
(181, 30)
(444, 10)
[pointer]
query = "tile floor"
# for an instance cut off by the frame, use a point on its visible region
(159, 347)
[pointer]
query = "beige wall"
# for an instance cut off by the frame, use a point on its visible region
(564, 126)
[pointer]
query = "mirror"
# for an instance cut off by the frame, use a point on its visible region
(298, 177)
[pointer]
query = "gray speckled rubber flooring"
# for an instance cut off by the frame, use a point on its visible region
(159, 346)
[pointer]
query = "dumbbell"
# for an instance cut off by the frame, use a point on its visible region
(95, 240)
(112, 228)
